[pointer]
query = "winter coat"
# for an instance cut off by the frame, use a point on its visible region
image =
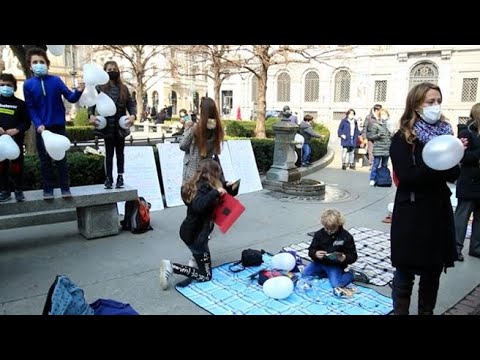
(198, 223)
(379, 134)
(468, 183)
(423, 231)
(306, 130)
(43, 96)
(113, 127)
(341, 241)
(344, 129)
(14, 115)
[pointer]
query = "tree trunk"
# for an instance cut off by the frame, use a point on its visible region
(262, 106)
(217, 85)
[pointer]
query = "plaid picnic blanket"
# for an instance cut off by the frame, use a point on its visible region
(231, 293)
(373, 249)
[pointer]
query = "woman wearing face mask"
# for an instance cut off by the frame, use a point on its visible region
(348, 131)
(14, 121)
(202, 140)
(114, 135)
(43, 96)
(380, 135)
(423, 231)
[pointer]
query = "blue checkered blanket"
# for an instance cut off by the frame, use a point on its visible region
(235, 294)
(373, 249)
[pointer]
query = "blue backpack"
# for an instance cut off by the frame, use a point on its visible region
(383, 179)
(66, 298)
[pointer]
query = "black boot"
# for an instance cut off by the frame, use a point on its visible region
(352, 166)
(344, 166)
(427, 292)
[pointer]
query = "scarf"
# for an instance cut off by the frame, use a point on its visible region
(426, 132)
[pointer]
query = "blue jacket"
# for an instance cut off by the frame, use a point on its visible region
(43, 96)
(344, 129)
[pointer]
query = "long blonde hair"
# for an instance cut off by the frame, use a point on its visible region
(208, 171)
(475, 115)
(415, 99)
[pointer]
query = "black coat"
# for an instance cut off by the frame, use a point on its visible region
(198, 223)
(468, 183)
(423, 231)
(341, 241)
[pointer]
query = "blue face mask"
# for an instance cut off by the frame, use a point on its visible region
(6, 90)
(40, 69)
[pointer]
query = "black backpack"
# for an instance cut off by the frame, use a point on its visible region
(250, 257)
(383, 178)
(137, 216)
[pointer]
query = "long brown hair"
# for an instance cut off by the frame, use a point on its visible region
(208, 110)
(208, 171)
(118, 82)
(475, 115)
(415, 99)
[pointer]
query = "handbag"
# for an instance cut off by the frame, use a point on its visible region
(362, 151)
(227, 211)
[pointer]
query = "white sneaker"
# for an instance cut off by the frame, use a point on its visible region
(166, 271)
(372, 182)
(192, 263)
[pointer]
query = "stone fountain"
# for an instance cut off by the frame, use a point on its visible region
(284, 176)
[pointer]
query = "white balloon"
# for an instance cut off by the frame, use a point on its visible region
(443, 152)
(3, 151)
(11, 150)
(299, 139)
(101, 122)
(390, 207)
(279, 287)
(56, 50)
(105, 105)
(89, 96)
(123, 122)
(283, 261)
(54, 144)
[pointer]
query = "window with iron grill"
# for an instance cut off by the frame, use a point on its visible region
(283, 87)
(463, 119)
(338, 115)
(469, 90)
(254, 89)
(342, 86)
(312, 86)
(380, 91)
(424, 72)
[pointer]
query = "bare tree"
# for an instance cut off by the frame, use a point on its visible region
(20, 52)
(143, 66)
(258, 59)
(218, 62)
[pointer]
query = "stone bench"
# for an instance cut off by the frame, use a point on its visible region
(94, 208)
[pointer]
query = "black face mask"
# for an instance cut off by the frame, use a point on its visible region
(113, 75)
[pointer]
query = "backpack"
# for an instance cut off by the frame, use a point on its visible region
(383, 178)
(250, 257)
(137, 216)
(66, 298)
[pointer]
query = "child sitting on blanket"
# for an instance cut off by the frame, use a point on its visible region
(332, 250)
(200, 193)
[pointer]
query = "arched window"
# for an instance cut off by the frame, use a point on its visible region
(312, 86)
(423, 72)
(254, 89)
(342, 86)
(283, 87)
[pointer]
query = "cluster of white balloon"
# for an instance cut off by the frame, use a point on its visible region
(56, 50)
(8, 148)
(280, 287)
(94, 75)
(443, 152)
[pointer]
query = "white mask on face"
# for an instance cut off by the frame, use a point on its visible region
(211, 124)
(431, 114)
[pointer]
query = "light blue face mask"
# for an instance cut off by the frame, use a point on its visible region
(40, 69)
(6, 90)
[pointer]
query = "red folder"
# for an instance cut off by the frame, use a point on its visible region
(227, 212)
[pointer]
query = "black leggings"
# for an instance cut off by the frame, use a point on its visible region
(116, 143)
(204, 271)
